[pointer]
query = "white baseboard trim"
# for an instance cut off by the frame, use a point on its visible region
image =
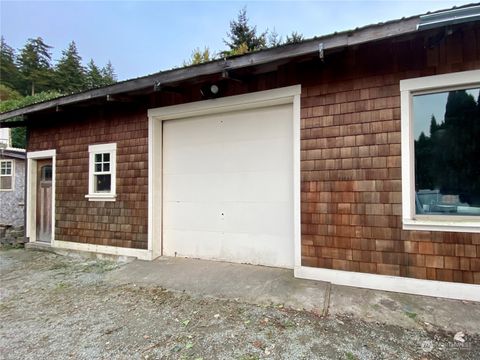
(443, 289)
(102, 249)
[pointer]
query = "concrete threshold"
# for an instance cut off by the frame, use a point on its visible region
(263, 285)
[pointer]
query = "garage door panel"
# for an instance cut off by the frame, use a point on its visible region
(232, 186)
(258, 155)
(256, 218)
(202, 158)
(196, 244)
(257, 249)
(256, 186)
(192, 131)
(257, 124)
(194, 216)
(228, 246)
(228, 186)
(180, 187)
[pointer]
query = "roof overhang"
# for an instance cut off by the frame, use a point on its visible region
(283, 53)
(13, 153)
(451, 17)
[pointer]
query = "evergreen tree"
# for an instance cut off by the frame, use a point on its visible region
(19, 137)
(433, 125)
(69, 72)
(7, 93)
(34, 63)
(294, 38)
(9, 73)
(423, 162)
(108, 74)
(456, 149)
(94, 76)
(243, 35)
(274, 39)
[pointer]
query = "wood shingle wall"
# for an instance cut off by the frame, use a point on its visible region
(351, 188)
(121, 223)
(351, 164)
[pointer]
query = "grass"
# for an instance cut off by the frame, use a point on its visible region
(350, 356)
(99, 266)
(62, 286)
(411, 315)
(11, 246)
(249, 357)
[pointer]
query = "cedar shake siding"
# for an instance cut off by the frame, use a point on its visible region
(120, 223)
(351, 186)
(351, 164)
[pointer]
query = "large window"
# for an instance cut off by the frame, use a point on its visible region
(6, 175)
(441, 152)
(102, 176)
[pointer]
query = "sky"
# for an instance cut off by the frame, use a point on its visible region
(424, 106)
(144, 37)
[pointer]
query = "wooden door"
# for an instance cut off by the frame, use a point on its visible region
(44, 200)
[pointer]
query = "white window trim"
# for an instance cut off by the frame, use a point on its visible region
(95, 149)
(12, 174)
(426, 85)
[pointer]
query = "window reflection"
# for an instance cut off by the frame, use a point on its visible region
(447, 152)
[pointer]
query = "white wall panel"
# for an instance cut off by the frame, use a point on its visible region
(227, 186)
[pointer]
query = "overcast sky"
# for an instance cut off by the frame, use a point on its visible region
(424, 106)
(143, 37)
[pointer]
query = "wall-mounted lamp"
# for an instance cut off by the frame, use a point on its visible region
(210, 91)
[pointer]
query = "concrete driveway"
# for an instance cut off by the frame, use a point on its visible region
(64, 307)
(266, 286)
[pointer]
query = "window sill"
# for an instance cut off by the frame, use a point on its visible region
(101, 197)
(464, 226)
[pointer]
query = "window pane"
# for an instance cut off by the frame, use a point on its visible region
(447, 151)
(46, 172)
(106, 157)
(102, 183)
(6, 168)
(98, 167)
(98, 157)
(106, 167)
(6, 182)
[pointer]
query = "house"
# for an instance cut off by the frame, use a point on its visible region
(12, 187)
(308, 156)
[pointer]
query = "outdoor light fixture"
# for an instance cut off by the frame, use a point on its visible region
(210, 90)
(214, 89)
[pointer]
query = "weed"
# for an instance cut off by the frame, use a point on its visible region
(58, 266)
(411, 315)
(99, 266)
(249, 357)
(350, 356)
(61, 286)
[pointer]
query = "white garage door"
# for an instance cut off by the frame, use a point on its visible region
(228, 187)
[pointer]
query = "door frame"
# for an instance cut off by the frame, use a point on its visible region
(286, 95)
(31, 183)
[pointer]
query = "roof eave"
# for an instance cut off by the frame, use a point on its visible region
(343, 39)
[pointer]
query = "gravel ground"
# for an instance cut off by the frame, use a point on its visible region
(56, 307)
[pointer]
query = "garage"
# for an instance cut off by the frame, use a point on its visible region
(227, 179)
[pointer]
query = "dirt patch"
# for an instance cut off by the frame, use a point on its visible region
(59, 307)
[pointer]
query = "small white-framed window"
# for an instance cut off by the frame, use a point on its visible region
(6, 175)
(102, 172)
(440, 117)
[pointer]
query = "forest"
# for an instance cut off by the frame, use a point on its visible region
(29, 75)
